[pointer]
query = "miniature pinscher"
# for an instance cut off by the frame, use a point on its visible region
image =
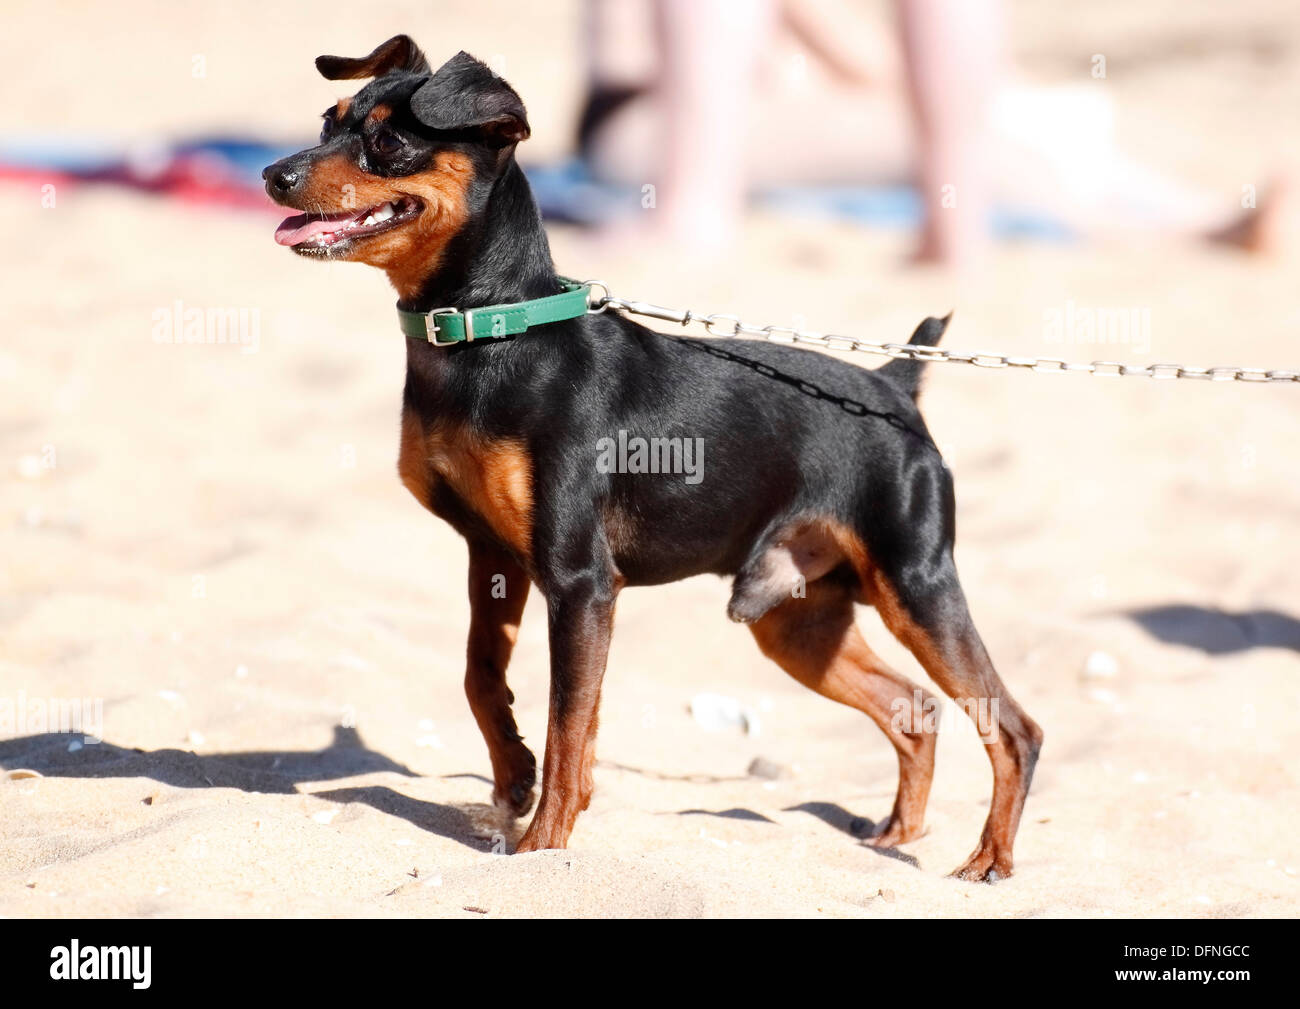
(818, 487)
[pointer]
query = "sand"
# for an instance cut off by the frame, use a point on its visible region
(214, 542)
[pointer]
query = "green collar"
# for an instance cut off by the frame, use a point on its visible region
(443, 327)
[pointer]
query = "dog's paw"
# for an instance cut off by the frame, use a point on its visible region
(516, 778)
(984, 867)
(518, 799)
(890, 834)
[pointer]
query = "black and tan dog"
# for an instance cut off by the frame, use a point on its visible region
(821, 486)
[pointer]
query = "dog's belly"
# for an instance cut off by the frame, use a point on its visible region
(652, 566)
(492, 479)
(651, 551)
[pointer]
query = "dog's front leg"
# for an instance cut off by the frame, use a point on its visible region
(498, 589)
(580, 606)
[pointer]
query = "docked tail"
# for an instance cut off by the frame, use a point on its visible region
(905, 373)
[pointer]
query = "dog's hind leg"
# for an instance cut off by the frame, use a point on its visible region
(925, 609)
(814, 639)
(498, 589)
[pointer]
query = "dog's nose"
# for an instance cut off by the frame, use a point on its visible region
(283, 180)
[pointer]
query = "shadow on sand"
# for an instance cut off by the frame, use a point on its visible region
(1216, 632)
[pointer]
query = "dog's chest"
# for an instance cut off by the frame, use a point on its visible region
(492, 478)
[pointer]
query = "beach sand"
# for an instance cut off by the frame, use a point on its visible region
(214, 542)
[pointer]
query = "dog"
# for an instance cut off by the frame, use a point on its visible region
(819, 485)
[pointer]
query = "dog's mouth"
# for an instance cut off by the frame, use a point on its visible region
(311, 233)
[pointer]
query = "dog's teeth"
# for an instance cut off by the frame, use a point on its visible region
(385, 212)
(370, 220)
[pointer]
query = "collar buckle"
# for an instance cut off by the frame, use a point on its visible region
(431, 328)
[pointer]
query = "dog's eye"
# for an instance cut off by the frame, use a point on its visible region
(387, 142)
(327, 127)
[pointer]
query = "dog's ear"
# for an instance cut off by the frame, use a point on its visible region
(465, 94)
(398, 53)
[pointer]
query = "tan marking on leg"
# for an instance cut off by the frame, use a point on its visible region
(961, 667)
(498, 589)
(814, 639)
(571, 733)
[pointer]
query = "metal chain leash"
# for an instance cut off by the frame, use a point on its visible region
(724, 325)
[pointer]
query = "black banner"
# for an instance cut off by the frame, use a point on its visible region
(138, 958)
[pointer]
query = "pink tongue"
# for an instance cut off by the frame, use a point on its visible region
(294, 230)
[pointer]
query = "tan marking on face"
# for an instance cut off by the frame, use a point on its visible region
(493, 478)
(341, 109)
(411, 253)
(379, 113)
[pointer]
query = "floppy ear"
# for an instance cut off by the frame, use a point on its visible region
(465, 94)
(398, 53)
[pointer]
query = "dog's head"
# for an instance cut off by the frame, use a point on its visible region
(402, 165)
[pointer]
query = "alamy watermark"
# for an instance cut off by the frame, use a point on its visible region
(635, 454)
(29, 716)
(75, 962)
(926, 714)
(213, 325)
(1092, 324)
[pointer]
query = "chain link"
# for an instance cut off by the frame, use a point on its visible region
(730, 326)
